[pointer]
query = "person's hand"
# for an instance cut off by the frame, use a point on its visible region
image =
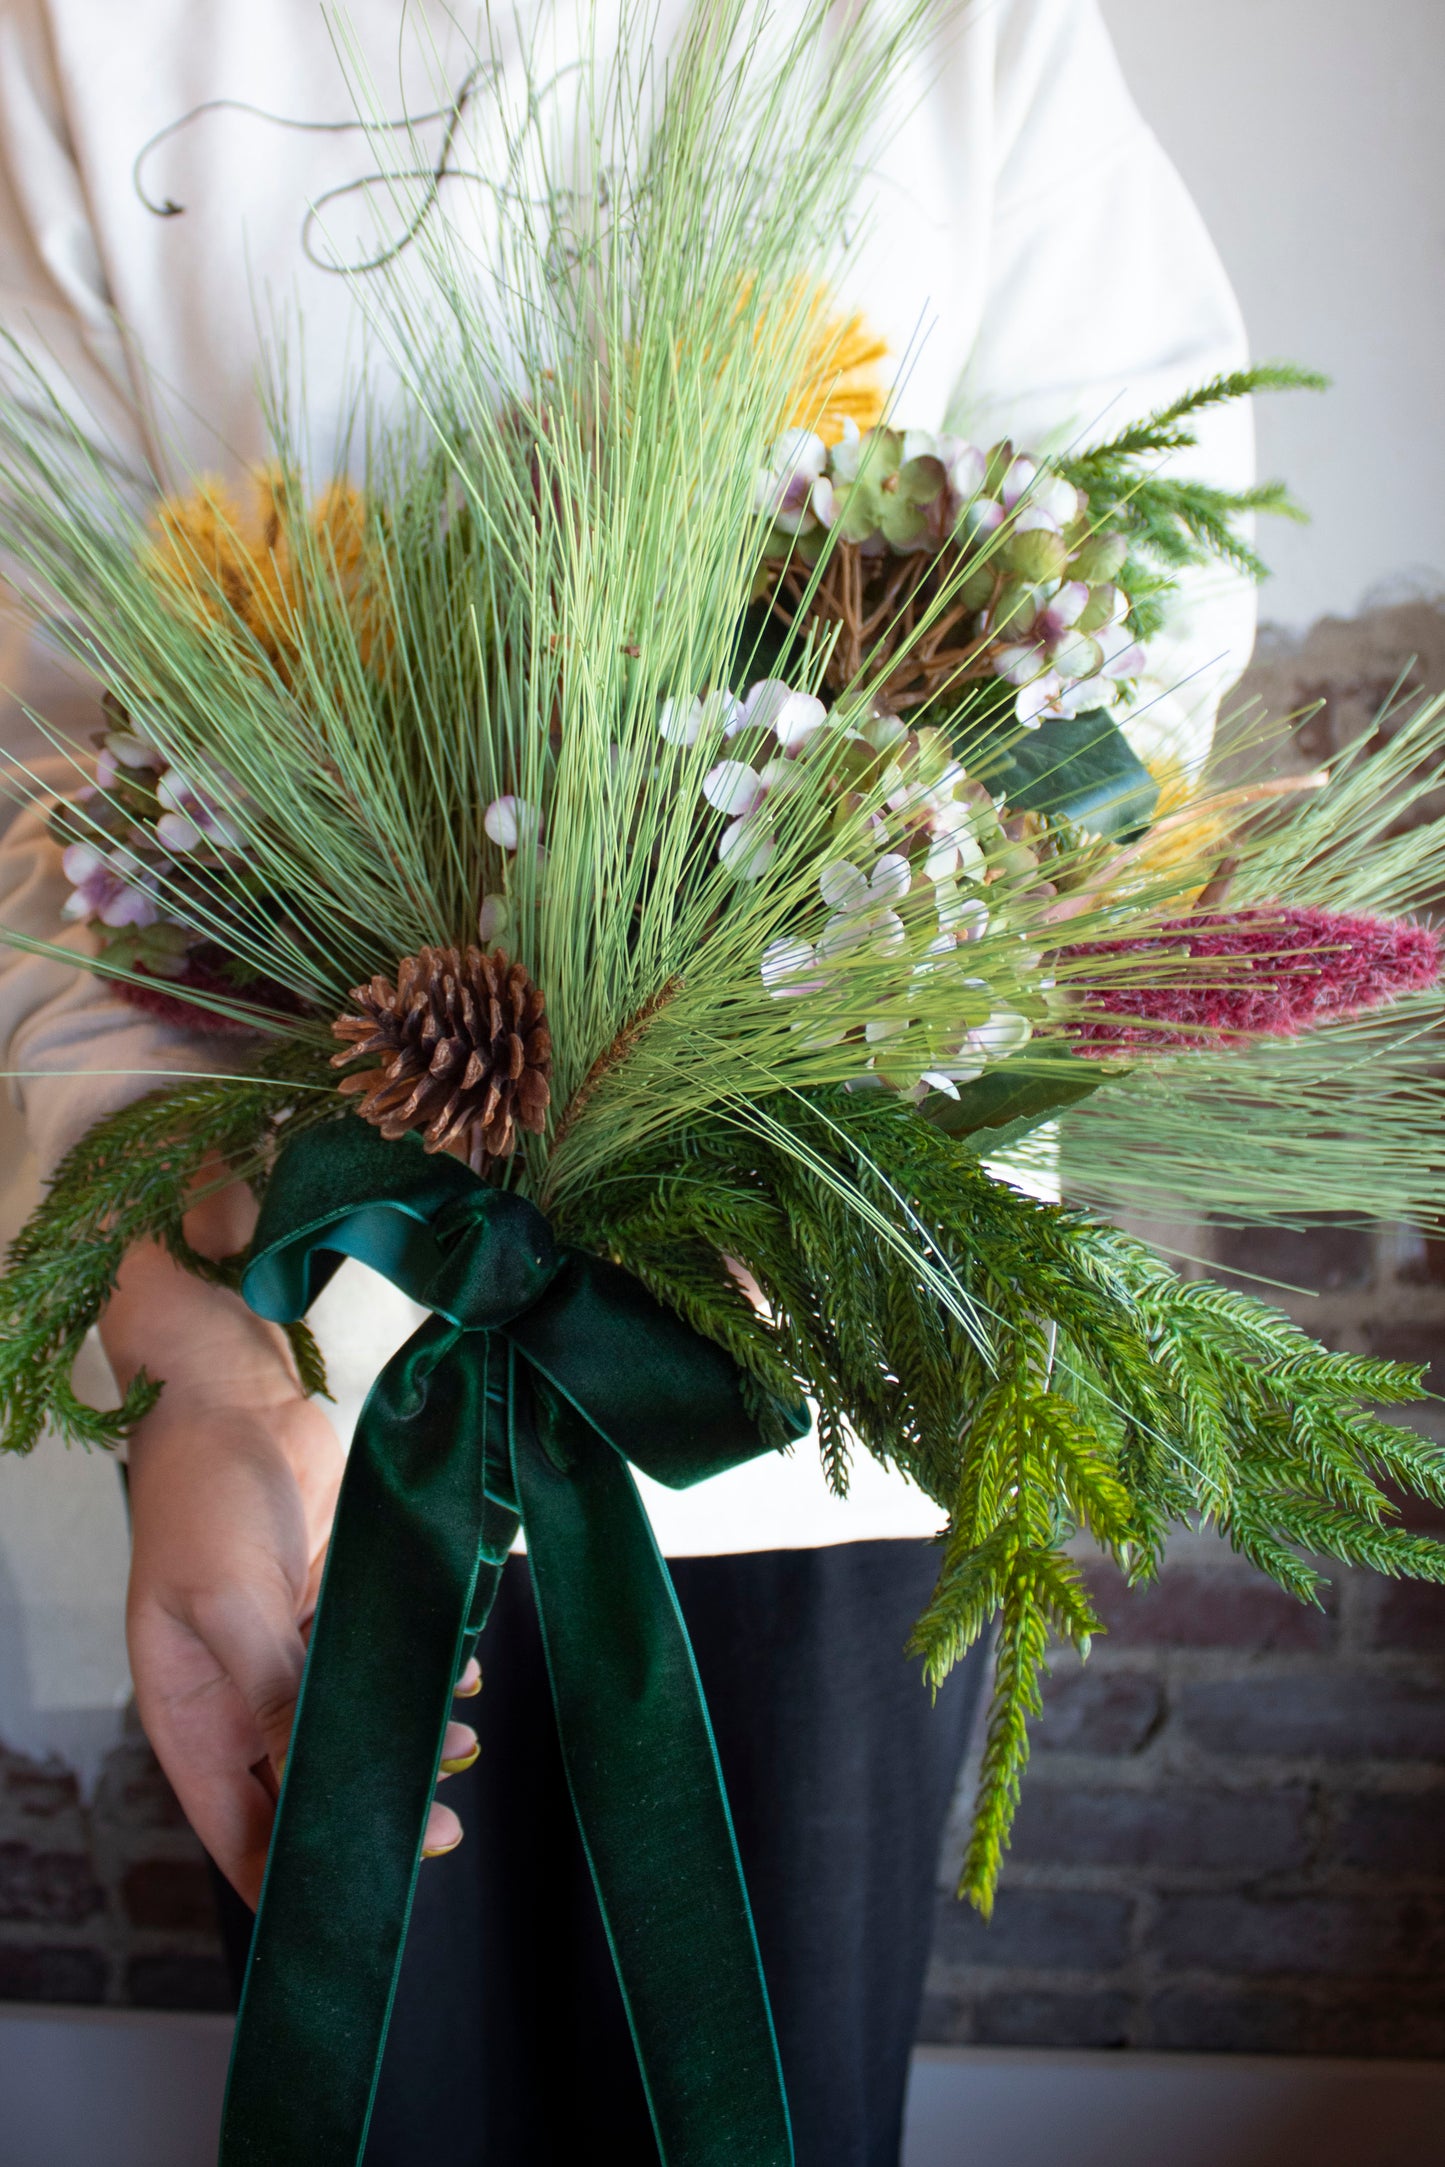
(233, 1479)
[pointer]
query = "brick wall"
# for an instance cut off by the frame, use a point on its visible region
(1233, 1833)
(106, 1899)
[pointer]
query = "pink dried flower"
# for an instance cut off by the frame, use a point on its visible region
(1269, 971)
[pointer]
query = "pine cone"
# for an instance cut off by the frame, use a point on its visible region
(465, 1051)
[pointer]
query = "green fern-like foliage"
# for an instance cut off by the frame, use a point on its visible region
(1035, 1371)
(1045, 1375)
(1171, 522)
(130, 1180)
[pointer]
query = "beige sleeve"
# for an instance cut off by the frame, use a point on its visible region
(73, 1049)
(1105, 299)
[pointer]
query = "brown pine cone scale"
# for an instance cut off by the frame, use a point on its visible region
(463, 1052)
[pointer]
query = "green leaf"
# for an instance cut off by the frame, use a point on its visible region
(1081, 769)
(1012, 1098)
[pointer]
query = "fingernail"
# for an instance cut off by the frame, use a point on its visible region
(469, 1692)
(465, 1760)
(439, 1850)
(281, 1765)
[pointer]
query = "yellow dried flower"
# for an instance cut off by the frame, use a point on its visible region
(340, 522)
(1187, 831)
(842, 378)
(1191, 840)
(227, 564)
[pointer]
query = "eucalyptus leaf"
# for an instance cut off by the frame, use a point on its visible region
(1013, 1098)
(1080, 768)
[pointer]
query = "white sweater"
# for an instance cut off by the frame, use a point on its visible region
(1032, 253)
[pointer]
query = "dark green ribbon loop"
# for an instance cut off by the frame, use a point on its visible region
(539, 1373)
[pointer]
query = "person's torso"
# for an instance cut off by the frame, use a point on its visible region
(229, 189)
(230, 186)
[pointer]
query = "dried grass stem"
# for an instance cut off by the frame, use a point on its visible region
(614, 1055)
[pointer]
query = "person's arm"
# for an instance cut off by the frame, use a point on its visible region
(233, 1481)
(234, 1474)
(74, 1049)
(1105, 299)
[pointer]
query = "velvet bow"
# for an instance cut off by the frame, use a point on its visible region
(540, 1372)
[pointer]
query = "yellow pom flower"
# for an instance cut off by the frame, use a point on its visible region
(841, 375)
(842, 378)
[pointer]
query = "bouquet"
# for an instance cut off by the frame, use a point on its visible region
(663, 843)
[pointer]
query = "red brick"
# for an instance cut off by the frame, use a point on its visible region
(133, 1792)
(1185, 2022)
(54, 1887)
(170, 1896)
(37, 1789)
(1377, 2023)
(1315, 737)
(1338, 1715)
(1416, 1512)
(946, 2020)
(1400, 1341)
(37, 1973)
(1192, 1608)
(178, 1982)
(1427, 1268)
(1247, 1833)
(1053, 2020)
(1399, 1835)
(1343, 1937)
(1087, 1710)
(1347, 704)
(1037, 1929)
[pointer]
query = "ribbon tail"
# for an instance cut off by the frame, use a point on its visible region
(648, 1792)
(405, 1588)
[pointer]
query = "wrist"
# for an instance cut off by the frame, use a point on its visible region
(198, 1338)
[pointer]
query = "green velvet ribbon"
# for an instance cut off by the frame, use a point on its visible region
(540, 1372)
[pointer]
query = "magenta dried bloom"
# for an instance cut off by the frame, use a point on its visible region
(1270, 971)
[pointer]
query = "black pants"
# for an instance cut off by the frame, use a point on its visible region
(508, 2043)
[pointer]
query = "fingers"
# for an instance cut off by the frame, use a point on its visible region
(233, 1815)
(204, 1738)
(218, 1695)
(234, 1819)
(460, 1748)
(443, 1832)
(252, 1633)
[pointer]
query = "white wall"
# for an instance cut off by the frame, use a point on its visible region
(1311, 134)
